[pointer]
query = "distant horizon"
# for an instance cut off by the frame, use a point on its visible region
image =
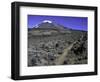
(75, 23)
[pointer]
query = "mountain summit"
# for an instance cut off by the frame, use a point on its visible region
(49, 25)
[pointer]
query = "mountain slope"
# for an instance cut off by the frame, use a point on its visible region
(48, 42)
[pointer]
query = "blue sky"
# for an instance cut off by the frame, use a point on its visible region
(78, 23)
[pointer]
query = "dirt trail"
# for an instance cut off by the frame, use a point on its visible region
(61, 59)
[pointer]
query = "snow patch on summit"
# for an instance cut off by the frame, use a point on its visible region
(47, 21)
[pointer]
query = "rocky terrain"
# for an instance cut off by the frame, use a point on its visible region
(53, 44)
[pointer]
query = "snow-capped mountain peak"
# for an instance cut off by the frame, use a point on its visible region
(48, 24)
